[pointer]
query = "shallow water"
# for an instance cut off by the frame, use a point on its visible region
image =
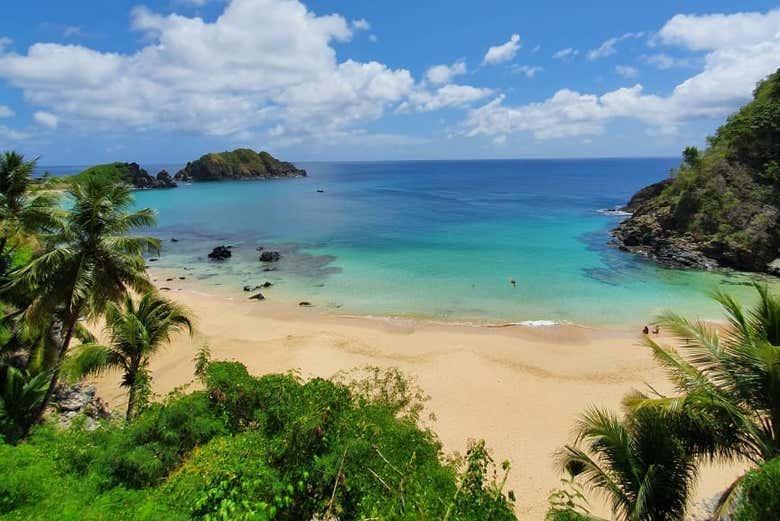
(436, 239)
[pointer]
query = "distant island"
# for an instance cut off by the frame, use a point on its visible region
(242, 163)
(239, 164)
(721, 207)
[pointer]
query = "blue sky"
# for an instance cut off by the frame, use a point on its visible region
(158, 82)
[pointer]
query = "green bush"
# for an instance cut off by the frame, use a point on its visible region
(273, 447)
(760, 500)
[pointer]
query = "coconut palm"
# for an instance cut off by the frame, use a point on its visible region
(21, 211)
(136, 331)
(90, 261)
(727, 403)
(644, 471)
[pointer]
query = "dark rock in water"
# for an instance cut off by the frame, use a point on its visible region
(269, 256)
(266, 284)
(182, 278)
(174, 239)
(220, 253)
(260, 248)
(257, 296)
(270, 268)
(242, 163)
(320, 191)
(153, 259)
(168, 280)
(305, 304)
(248, 288)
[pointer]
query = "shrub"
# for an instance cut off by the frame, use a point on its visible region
(760, 500)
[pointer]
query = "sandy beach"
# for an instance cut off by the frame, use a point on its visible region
(519, 388)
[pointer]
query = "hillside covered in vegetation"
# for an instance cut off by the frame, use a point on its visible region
(721, 208)
(241, 163)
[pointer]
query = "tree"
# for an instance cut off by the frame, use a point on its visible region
(21, 211)
(136, 331)
(89, 262)
(645, 472)
(727, 404)
(691, 157)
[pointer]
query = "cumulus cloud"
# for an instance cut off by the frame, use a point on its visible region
(46, 119)
(608, 47)
(439, 74)
(627, 71)
(731, 69)
(444, 97)
(361, 24)
(222, 77)
(6, 112)
(502, 53)
(565, 54)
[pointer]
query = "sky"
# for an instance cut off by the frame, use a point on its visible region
(165, 81)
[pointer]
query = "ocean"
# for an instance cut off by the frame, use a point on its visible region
(436, 240)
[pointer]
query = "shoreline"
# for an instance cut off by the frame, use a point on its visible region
(519, 388)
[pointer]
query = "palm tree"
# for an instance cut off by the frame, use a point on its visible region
(645, 472)
(90, 261)
(21, 211)
(136, 331)
(727, 404)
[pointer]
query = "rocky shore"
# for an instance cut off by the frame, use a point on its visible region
(242, 163)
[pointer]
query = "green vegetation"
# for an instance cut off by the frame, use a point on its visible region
(723, 202)
(241, 163)
(273, 447)
(760, 497)
(110, 172)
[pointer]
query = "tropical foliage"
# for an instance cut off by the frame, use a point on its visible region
(136, 331)
(274, 447)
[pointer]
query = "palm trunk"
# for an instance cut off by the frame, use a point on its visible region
(130, 403)
(55, 375)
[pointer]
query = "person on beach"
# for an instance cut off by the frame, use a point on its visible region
(645, 330)
(656, 329)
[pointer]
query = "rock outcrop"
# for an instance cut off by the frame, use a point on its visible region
(721, 207)
(68, 403)
(269, 256)
(242, 163)
(130, 173)
(220, 253)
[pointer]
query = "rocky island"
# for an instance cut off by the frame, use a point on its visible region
(721, 207)
(242, 163)
(130, 173)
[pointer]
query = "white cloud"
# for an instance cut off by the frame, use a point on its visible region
(444, 97)
(439, 74)
(730, 71)
(6, 112)
(529, 70)
(720, 31)
(46, 119)
(608, 47)
(627, 71)
(502, 53)
(361, 25)
(4, 42)
(565, 54)
(71, 30)
(664, 61)
(223, 77)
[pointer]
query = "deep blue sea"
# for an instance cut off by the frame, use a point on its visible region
(434, 239)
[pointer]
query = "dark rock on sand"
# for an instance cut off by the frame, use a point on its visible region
(257, 296)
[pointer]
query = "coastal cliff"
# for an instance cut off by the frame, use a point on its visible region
(242, 163)
(130, 173)
(721, 207)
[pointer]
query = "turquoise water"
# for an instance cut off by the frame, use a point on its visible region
(435, 239)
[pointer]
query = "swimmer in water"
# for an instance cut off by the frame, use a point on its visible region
(513, 282)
